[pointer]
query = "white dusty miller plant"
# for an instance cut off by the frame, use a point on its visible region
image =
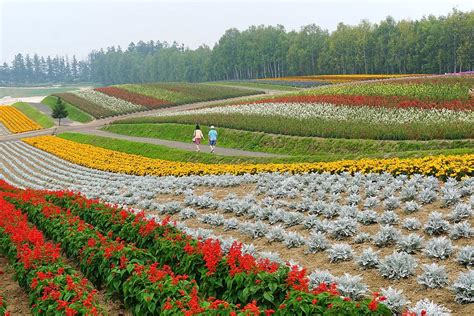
(433, 276)
(398, 265)
(464, 287)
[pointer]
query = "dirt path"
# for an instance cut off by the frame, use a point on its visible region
(15, 296)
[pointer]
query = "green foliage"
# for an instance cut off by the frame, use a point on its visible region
(181, 93)
(316, 127)
(59, 110)
(42, 119)
(254, 85)
(282, 144)
(74, 113)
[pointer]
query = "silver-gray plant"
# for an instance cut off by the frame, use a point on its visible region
(395, 300)
(433, 276)
(340, 252)
(439, 248)
(410, 243)
(351, 286)
(427, 307)
(436, 224)
(398, 265)
(368, 259)
(466, 256)
(317, 242)
(464, 287)
(461, 230)
(411, 223)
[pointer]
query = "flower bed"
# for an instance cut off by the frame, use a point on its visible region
(126, 273)
(108, 160)
(135, 98)
(15, 121)
(96, 110)
(53, 286)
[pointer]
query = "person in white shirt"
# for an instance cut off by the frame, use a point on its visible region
(198, 136)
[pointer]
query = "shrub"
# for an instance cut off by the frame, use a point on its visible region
(466, 256)
(397, 265)
(293, 240)
(362, 238)
(396, 301)
(427, 196)
(463, 287)
(276, 233)
(408, 193)
(318, 277)
(410, 243)
(367, 217)
(450, 196)
(388, 218)
(387, 235)
(391, 203)
(368, 259)
(371, 202)
(310, 221)
(351, 286)
(440, 248)
(411, 207)
(427, 307)
(187, 213)
(354, 199)
(254, 230)
(460, 212)
(231, 224)
(461, 230)
(292, 219)
(343, 227)
(340, 252)
(436, 224)
(411, 223)
(433, 276)
(348, 211)
(213, 219)
(317, 242)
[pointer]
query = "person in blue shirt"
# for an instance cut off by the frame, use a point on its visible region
(212, 139)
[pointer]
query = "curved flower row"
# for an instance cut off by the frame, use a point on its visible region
(16, 121)
(374, 101)
(109, 160)
(340, 78)
(3, 307)
(52, 284)
(134, 98)
(148, 288)
(295, 109)
(116, 105)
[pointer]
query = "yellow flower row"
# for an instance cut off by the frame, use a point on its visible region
(114, 161)
(15, 121)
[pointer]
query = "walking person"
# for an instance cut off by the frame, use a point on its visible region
(212, 139)
(197, 137)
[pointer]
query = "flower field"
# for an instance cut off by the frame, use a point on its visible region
(408, 238)
(15, 121)
(311, 81)
(113, 161)
(418, 109)
(130, 98)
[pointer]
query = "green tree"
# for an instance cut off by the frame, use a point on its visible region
(59, 111)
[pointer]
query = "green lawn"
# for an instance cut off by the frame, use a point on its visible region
(33, 113)
(300, 148)
(74, 113)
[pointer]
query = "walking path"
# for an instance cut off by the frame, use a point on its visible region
(180, 145)
(93, 128)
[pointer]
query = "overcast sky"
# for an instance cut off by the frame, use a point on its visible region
(51, 27)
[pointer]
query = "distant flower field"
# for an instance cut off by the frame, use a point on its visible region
(15, 121)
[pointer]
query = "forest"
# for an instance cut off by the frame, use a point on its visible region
(429, 45)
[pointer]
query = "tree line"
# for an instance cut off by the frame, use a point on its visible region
(429, 45)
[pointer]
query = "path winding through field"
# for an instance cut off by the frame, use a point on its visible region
(93, 128)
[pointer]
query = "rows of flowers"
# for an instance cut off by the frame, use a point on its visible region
(3, 307)
(95, 110)
(303, 108)
(181, 93)
(116, 105)
(135, 98)
(148, 287)
(113, 161)
(373, 101)
(53, 285)
(316, 80)
(15, 121)
(444, 88)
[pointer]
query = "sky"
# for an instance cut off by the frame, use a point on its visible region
(68, 27)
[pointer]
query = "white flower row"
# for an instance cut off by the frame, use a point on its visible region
(4, 130)
(115, 104)
(332, 112)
